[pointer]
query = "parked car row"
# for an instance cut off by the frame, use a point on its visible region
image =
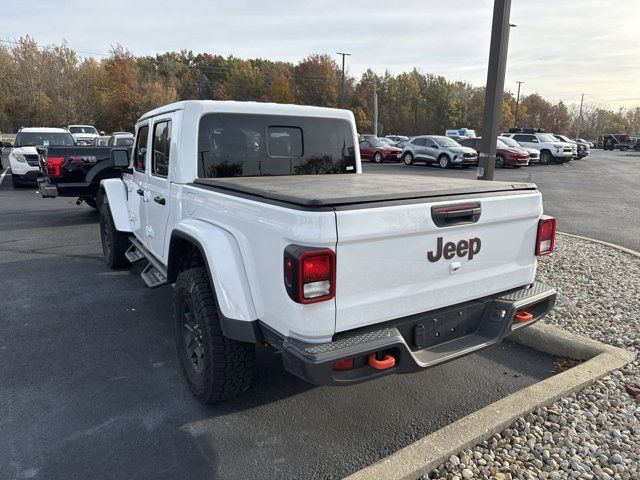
(516, 148)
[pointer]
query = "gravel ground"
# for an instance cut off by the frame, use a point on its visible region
(592, 434)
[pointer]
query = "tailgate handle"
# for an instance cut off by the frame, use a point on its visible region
(455, 214)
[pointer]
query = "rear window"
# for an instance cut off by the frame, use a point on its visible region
(83, 129)
(244, 145)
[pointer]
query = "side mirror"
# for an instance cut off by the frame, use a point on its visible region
(120, 157)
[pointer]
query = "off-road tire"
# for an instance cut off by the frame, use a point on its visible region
(226, 365)
(114, 242)
(408, 158)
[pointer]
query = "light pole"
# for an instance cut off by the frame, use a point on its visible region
(342, 80)
(495, 88)
(515, 119)
(580, 118)
(375, 108)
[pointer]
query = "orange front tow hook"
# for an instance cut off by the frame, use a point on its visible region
(387, 362)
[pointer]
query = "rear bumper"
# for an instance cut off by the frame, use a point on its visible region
(47, 189)
(416, 342)
(68, 189)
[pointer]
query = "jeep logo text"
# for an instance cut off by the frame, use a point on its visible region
(449, 250)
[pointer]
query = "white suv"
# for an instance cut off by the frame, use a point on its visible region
(24, 157)
(551, 149)
(83, 134)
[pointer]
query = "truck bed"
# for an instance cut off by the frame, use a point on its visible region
(332, 191)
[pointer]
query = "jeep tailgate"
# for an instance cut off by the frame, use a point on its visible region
(389, 265)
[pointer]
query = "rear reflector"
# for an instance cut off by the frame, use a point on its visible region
(344, 364)
(309, 273)
(546, 235)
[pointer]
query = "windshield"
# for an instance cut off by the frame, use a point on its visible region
(446, 142)
(85, 129)
(547, 137)
(381, 143)
(43, 139)
(247, 145)
(509, 142)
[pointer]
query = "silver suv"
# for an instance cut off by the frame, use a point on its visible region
(438, 149)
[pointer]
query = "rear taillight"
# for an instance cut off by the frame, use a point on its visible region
(54, 165)
(546, 235)
(309, 273)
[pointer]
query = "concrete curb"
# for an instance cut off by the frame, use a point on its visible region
(602, 242)
(431, 451)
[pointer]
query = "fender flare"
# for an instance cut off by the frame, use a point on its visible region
(223, 260)
(115, 195)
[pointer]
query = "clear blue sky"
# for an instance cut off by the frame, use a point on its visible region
(559, 49)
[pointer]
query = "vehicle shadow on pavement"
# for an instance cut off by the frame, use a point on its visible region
(92, 388)
(14, 220)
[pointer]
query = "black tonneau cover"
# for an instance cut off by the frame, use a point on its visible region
(350, 189)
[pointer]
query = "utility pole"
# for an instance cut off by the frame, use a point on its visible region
(495, 88)
(580, 118)
(342, 81)
(375, 108)
(515, 120)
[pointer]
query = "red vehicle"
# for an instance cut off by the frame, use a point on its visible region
(505, 156)
(379, 151)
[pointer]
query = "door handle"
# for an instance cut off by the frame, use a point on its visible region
(140, 192)
(159, 200)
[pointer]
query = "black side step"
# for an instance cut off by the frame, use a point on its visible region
(154, 274)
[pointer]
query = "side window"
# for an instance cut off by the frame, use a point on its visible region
(365, 144)
(160, 147)
(140, 152)
(429, 143)
(421, 142)
(523, 138)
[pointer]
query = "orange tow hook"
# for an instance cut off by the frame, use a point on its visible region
(522, 317)
(387, 362)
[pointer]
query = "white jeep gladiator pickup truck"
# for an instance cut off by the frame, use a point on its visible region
(259, 216)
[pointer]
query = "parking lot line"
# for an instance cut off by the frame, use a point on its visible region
(3, 175)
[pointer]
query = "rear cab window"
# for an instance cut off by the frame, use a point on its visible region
(245, 145)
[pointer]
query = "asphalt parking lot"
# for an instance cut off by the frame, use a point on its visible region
(91, 386)
(598, 197)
